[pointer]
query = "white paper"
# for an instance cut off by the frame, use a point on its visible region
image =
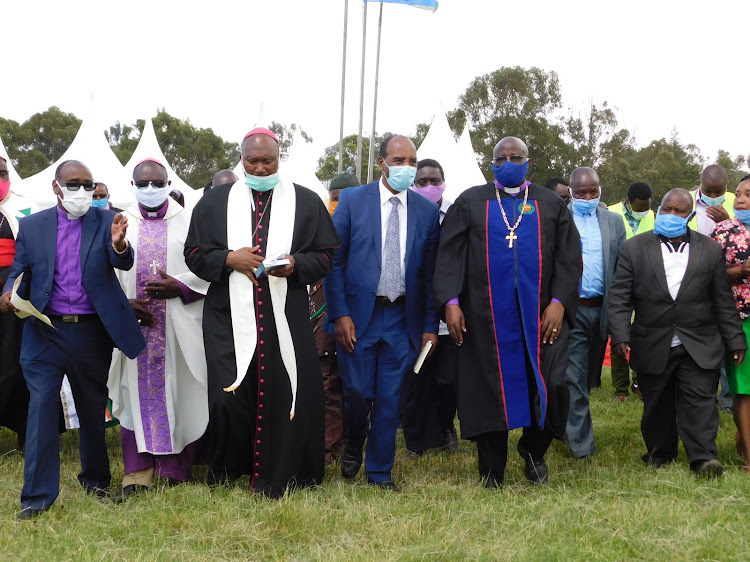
(422, 356)
(25, 308)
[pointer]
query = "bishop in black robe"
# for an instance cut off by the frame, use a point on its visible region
(508, 377)
(250, 429)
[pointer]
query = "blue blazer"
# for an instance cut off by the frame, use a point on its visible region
(351, 286)
(36, 250)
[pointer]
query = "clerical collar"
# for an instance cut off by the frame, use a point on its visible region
(158, 214)
(513, 190)
(62, 213)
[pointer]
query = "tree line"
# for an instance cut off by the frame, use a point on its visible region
(523, 102)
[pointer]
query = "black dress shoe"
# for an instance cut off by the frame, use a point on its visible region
(709, 469)
(655, 462)
(387, 485)
(129, 491)
(535, 471)
(351, 461)
(492, 481)
(29, 513)
(449, 439)
(94, 491)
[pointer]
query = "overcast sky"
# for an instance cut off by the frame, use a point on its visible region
(662, 64)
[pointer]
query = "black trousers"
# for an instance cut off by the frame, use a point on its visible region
(492, 448)
(429, 403)
(681, 401)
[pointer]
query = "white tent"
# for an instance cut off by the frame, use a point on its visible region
(300, 165)
(148, 147)
(15, 179)
(90, 146)
(461, 172)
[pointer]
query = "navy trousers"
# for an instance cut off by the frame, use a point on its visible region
(83, 351)
(373, 376)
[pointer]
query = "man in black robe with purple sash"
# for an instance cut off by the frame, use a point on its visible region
(507, 276)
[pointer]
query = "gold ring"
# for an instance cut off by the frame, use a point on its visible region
(554, 329)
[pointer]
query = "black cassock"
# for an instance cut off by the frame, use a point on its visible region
(14, 396)
(507, 377)
(250, 430)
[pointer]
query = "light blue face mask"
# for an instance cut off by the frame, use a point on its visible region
(584, 206)
(261, 183)
(712, 201)
(671, 226)
(401, 178)
(100, 203)
(743, 215)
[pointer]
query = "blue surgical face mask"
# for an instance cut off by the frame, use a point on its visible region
(584, 206)
(743, 215)
(510, 174)
(261, 183)
(401, 178)
(100, 203)
(712, 200)
(671, 226)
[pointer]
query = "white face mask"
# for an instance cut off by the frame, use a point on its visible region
(152, 197)
(76, 203)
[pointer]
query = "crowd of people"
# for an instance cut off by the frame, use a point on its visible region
(265, 335)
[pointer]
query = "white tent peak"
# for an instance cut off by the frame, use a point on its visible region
(89, 146)
(148, 147)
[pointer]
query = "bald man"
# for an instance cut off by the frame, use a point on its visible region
(685, 317)
(602, 234)
(507, 280)
(265, 388)
(379, 298)
(67, 256)
(224, 177)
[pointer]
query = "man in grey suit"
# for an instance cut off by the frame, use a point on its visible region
(675, 281)
(602, 235)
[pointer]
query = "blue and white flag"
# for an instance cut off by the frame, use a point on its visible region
(431, 5)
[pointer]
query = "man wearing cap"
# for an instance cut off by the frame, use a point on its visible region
(326, 343)
(14, 398)
(265, 386)
(160, 397)
(67, 256)
(379, 299)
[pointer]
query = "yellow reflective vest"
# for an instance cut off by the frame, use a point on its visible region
(645, 225)
(728, 204)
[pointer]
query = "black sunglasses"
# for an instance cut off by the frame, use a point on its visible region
(145, 184)
(76, 185)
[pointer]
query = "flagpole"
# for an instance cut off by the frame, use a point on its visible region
(375, 102)
(362, 91)
(343, 88)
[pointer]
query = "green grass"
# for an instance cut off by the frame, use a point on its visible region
(608, 507)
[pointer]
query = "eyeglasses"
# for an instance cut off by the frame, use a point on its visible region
(76, 185)
(500, 160)
(144, 184)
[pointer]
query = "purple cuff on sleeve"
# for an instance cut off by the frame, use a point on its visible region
(454, 300)
(188, 295)
(556, 300)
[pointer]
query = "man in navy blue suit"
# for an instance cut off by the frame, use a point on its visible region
(66, 255)
(380, 308)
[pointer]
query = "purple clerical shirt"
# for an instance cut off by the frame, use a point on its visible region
(188, 295)
(68, 294)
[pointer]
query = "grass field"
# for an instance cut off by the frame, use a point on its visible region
(608, 507)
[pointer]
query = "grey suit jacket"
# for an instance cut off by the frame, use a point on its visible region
(702, 315)
(613, 237)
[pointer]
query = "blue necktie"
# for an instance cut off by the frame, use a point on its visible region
(392, 284)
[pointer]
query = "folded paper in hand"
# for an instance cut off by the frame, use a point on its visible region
(271, 263)
(25, 308)
(422, 356)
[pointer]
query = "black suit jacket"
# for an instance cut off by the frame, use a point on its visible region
(702, 315)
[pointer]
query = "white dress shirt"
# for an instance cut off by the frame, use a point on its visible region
(385, 213)
(675, 264)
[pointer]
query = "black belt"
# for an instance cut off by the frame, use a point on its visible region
(596, 301)
(73, 318)
(385, 301)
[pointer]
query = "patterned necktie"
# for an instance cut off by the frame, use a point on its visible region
(392, 253)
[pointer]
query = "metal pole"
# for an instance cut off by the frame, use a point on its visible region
(343, 88)
(362, 91)
(375, 102)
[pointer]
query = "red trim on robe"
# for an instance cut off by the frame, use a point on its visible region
(7, 251)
